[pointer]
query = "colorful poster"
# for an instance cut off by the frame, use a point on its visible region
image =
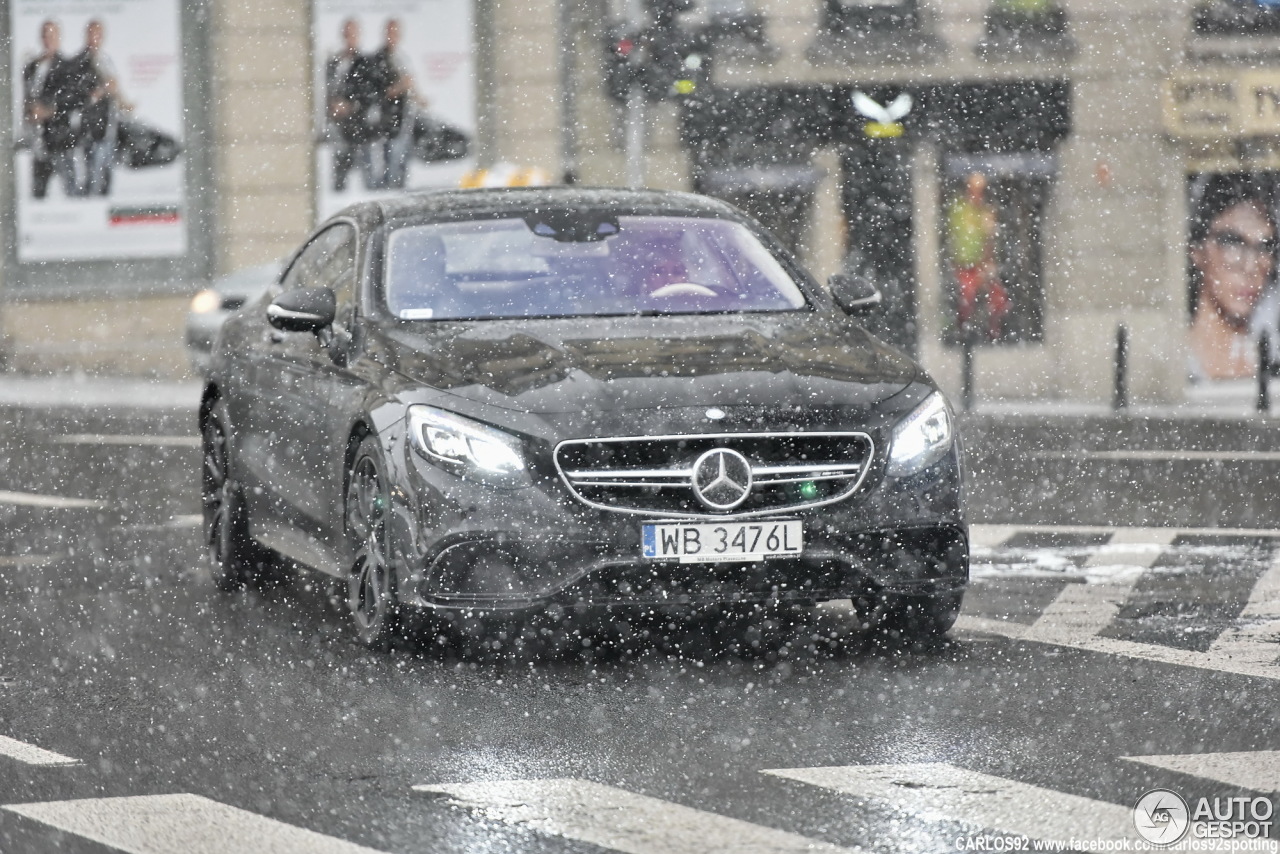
(98, 118)
(394, 97)
(1231, 268)
(992, 210)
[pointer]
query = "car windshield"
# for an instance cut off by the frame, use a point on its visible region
(569, 266)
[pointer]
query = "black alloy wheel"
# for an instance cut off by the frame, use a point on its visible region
(370, 585)
(921, 618)
(225, 534)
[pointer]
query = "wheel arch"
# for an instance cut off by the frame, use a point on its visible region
(359, 430)
(208, 397)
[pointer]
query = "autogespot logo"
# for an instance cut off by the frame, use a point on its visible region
(1161, 817)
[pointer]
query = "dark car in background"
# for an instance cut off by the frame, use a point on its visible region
(211, 306)
(504, 402)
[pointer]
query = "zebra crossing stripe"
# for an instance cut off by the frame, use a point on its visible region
(179, 824)
(619, 820)
(29, 754)
(936, 791)
(996, 535)
(1257, 770)
(1139, 547)
(1254, 642)
(1071, 630)
(1081, 611)
(991, 536)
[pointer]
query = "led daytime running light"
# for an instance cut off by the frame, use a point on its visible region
(479, 450)
(922, 438)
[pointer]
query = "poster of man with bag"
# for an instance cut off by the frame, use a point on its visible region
(98, 100)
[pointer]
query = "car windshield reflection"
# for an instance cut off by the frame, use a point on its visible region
(515, 267)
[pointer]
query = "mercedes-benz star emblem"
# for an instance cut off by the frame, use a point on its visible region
(722, 479)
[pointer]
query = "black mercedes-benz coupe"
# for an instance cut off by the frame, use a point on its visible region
(504, 402)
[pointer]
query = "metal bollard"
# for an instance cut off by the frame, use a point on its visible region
(1121, 398)
(966, 370)
(1264, 373)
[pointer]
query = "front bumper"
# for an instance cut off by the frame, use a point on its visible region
(465, 546)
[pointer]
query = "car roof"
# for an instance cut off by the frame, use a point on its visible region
(450, 204)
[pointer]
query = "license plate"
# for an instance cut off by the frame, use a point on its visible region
(714, 542)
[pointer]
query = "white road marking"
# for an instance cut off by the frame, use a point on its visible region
(1140, 547)
(990, 536)
(32, 499)
(29, 560)
(1162, 456)
(125, 439)
(1081, 611)
(1255, 641)
(620, 820)
(29, 754)
(969, 624)
(1137, 532)
(180, 824)
(936, 791)
(1258, 770)
(1073, 636)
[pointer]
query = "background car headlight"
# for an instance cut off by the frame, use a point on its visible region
(922, 438)
(206, 301)
(473, 450)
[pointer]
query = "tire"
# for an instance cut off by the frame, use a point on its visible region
(371, 589)
(920, 619)
(226, 532)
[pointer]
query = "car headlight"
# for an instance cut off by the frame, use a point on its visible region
(206, 301)
(475, 451)
(922, 438)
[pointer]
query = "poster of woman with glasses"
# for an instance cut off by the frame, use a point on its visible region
(1232, 266)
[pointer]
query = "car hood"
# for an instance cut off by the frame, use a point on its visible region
(545, 367)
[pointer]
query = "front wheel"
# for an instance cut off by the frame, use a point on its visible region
(371, 595)
(226, 533)
(919, 618)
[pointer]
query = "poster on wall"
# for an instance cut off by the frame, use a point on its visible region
(99, 171)
(1231, 273)
(395, 97)
(993, 207)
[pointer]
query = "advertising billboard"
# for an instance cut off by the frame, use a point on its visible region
(99, 171)
(394, 97)
(1231, 268)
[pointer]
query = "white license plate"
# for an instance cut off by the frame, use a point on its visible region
(714, 542)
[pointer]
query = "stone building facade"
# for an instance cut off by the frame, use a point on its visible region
(1076, 119)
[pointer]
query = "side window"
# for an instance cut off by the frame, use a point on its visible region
(329, 261)
(339, 267)
(304, 273)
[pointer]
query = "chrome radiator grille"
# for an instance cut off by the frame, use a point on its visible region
(740, 474)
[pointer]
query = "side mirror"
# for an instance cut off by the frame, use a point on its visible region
(303, 310)
(854, 294)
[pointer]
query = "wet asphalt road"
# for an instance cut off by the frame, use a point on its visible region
(1082, 646)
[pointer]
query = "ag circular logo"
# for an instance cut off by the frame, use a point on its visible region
(722, 479)
(1161, 817)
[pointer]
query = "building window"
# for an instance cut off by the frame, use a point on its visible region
(844, 16)
(873, 31)
(1237, 17)
(736, 29)
(1021, 29)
